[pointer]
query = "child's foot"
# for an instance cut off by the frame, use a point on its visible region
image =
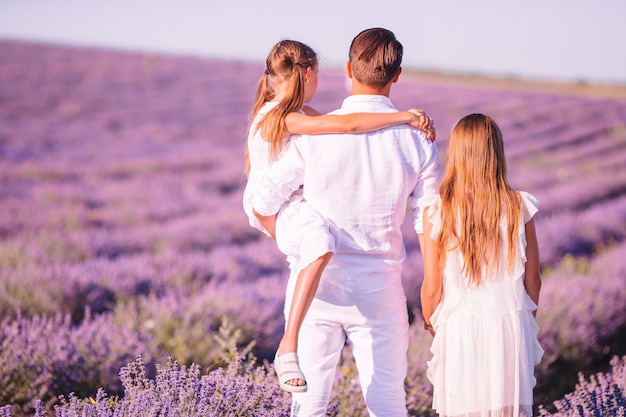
(290, 376)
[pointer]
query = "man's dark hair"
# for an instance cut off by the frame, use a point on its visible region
(375, 56)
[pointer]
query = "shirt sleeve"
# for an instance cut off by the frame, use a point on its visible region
(284, 177)
(426, 189)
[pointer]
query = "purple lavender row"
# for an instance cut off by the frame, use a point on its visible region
(41, 357)
(245, 389)
(576, 333)
(580, 332)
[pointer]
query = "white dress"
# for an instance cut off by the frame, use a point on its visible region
(302, 234)
(485, 346)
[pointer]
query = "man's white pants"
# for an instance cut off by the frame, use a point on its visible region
(376, 324)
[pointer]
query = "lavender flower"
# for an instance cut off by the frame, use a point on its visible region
(600, 395)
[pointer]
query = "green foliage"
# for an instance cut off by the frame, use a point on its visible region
(231, 341)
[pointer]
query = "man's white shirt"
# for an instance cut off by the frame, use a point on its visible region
(361, 183)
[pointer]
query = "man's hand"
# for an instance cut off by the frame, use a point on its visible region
(423, 122)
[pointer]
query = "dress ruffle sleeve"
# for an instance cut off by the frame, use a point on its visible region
(529, 207)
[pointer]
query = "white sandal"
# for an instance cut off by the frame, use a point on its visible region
(287, 368)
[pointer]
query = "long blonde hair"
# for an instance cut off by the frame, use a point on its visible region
(476, 197)
(287, 61)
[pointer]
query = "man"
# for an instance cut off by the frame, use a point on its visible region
(361, 183)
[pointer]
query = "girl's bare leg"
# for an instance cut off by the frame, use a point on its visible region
(303, 294)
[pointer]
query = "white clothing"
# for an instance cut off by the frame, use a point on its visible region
(301, 233)
(361, 183)
(485, 346)
(377, 326)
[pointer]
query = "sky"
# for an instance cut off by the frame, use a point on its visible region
(552, 40)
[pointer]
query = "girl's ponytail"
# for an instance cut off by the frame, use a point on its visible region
(264, 93)
(286, 62)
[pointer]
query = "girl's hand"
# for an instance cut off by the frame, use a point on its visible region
(429, 328)
(423, 122)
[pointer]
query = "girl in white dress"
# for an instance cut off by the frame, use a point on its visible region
(481, 281)
(290, 81)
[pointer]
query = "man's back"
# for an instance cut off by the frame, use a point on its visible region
(361, 183)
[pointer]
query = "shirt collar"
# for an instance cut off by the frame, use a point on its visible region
(368, 100)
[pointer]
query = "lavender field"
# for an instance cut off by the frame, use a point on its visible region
(132, 285)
